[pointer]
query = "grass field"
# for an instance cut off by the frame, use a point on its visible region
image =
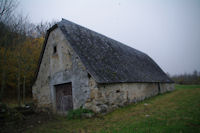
(174, 112)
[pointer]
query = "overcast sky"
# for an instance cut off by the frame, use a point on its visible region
(167, 30)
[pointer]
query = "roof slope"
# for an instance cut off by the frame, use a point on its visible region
(110, 61)
(107, 60)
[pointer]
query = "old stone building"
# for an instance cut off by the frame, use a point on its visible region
(81, 68)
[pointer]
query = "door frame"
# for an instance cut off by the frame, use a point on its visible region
(53, 95)
(67, 84)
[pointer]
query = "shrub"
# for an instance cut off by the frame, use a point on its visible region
(80, 113)
(9, 116)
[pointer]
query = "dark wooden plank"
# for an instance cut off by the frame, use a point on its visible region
(64, 100)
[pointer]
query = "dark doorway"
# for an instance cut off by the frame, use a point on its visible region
(64, 100)
(159, 88)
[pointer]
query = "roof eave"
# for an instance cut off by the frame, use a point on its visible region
(169, 82)
(42, 52)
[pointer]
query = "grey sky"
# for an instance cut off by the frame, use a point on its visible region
(167, 30)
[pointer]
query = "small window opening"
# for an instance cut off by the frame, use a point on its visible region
(54, 49)
(89, 76)
(117, 91)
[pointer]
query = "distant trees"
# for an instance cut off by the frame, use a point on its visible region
(193, 78)
(42, 27)
(7, 7)
(20, 47)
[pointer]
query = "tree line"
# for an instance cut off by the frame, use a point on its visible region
(187, 78)
(20, 46)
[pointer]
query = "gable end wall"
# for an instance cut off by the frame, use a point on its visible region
(62, 67)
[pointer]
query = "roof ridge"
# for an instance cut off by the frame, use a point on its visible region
(112, 61)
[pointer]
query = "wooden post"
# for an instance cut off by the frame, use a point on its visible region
(24, 89)
(18, 88)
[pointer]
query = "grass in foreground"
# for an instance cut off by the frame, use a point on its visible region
(177, 111)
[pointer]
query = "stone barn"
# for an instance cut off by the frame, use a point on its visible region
(81, 68)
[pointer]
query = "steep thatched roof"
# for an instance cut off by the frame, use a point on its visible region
(109, 61)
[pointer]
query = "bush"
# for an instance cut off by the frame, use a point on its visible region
(9, 117)
(80, 113)
(27, 109)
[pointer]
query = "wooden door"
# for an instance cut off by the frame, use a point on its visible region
(64, 101)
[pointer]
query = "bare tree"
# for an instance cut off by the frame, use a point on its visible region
(42, 27)
(20, 27)
(7, 7)
(14, 30)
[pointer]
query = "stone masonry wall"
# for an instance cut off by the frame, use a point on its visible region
(104, 98)
(64, 66)
(166, 87)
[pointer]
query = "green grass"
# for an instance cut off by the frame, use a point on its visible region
(78, 113)
(177, 86)
(174, 112)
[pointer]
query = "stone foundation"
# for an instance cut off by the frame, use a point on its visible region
(104, 98)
